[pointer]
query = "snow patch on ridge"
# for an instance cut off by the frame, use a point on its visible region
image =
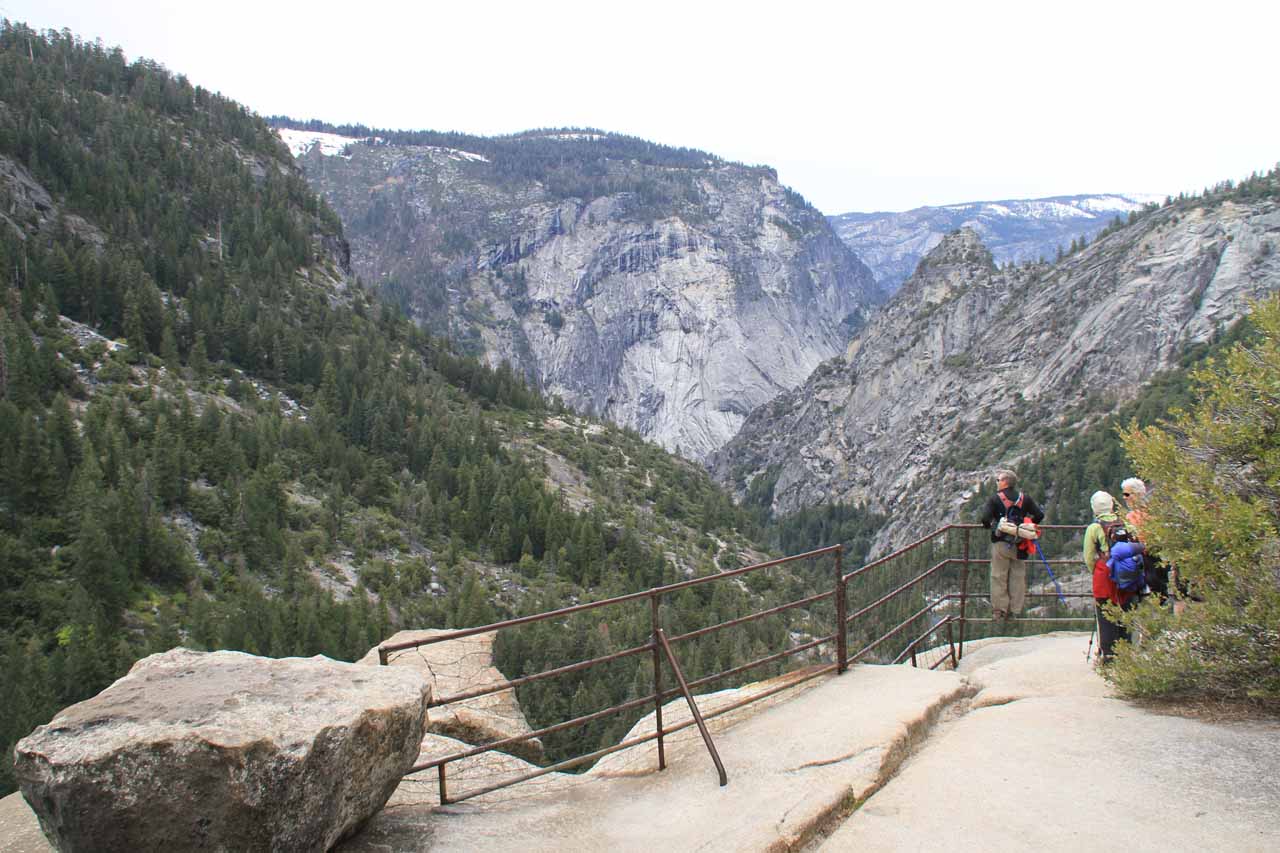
(456, 154)
(590, 137)
(1088, 207)
(302, 141)
(1117, 203)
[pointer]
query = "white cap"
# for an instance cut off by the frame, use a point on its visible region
(1102, 503)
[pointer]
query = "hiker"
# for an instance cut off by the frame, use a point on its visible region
(1134, 492)
(1008, 572)
(1099, 538)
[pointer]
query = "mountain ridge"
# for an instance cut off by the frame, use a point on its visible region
(1015, 230)
(971, 365)
(663, 289)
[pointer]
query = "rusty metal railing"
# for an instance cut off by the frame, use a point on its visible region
(917, 603)
(929, 594)
(658, 645)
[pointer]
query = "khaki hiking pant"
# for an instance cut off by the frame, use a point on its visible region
(1008, 579)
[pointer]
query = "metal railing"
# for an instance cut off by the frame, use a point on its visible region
(659, 642)
(927, 593)
(917, 603)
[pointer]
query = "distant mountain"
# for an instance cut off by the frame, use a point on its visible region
(663, 289)
(1016, 230)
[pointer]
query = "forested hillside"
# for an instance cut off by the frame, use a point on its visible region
(214, 436)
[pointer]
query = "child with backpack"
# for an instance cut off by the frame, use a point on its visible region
(1115, 559)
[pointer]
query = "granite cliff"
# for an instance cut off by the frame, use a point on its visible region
(667, 291)
(971, 365)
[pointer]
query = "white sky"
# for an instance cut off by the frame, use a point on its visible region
(924, 103)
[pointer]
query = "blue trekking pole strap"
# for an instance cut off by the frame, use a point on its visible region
(1050, 571)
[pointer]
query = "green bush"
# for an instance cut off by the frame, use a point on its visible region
(1213, 514)
(113, 370)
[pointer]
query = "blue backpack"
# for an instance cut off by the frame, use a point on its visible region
(1125, 561)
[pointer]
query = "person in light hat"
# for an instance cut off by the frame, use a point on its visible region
(1096, 552)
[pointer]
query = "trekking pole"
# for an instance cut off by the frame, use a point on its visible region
(1050, 571)
(1088, 653)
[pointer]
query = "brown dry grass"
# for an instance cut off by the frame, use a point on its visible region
(1213, 710)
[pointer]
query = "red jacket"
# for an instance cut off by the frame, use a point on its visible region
(1104, 587)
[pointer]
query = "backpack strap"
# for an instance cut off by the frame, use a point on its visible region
(1008, 504)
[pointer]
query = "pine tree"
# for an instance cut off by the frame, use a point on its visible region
(199, 358)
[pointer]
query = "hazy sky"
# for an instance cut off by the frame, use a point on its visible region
(859, 109)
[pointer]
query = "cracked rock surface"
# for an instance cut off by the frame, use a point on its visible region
(794, 760)
(1047, 759)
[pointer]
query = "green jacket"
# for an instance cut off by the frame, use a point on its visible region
(1095, 540)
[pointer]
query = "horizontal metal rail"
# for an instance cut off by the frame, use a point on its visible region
(600, 753)
(657, 697)
(911, 647)
(538, 676)
(898, 553)
(752, 617)
(906, 586)
(520, 738)
(707, 679)
(574, 667)
(1037, 619)
(606, 602)
(614, 709)
(892, 633)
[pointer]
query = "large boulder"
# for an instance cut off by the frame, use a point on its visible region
(461, 666)
(224, 751)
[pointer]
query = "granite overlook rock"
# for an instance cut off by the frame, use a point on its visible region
(665, 290)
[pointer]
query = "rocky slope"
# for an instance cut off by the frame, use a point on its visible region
(1015, 230)
(667, 291)
(970, 365)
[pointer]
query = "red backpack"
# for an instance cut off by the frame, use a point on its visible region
(1014, 512)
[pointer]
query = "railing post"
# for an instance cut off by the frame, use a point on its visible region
(693, 707)
(913, 655)
(964, 590)
(444, 793)
(951, 641)
(657, 681)
(382, 656)
(842, 643)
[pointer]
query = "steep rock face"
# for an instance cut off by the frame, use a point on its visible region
(891, 244)
(965, 348)
(26, 206)
(673, 311)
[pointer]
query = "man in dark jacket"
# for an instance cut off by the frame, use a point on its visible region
(1008, 572)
